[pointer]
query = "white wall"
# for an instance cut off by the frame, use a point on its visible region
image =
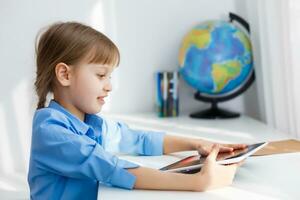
(276, 51)
(20, 21)
(149, 36)
(148, 33)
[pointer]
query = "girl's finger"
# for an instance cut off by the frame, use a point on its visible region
(214, 152)
(226, 149)
(237, 146)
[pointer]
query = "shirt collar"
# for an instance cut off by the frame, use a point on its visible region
(78, 124)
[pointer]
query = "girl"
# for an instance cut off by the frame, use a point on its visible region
(71, 150)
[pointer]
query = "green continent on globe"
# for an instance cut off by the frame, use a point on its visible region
(223, 72)
(244, 40)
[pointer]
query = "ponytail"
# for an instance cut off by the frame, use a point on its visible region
(42, 90)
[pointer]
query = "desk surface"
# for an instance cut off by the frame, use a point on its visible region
(268, 177)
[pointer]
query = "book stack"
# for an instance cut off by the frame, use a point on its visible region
(167, 94)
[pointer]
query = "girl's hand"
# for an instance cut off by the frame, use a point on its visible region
(204, 147)
(213, 175)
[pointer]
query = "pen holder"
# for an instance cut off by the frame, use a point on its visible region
(167, 98)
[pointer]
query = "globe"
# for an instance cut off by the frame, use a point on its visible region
(215, 59)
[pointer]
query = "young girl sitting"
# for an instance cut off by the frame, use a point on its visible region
(72, 148)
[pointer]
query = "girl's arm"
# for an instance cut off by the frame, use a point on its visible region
(212, 175)
(176, 143)
(153, 179)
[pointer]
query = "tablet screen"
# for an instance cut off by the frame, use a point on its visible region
(196, 160)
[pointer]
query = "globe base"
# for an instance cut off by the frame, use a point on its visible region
(214, 113)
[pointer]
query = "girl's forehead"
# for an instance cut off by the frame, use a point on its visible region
(101, 67)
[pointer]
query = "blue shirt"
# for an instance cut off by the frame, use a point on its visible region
(70, 157)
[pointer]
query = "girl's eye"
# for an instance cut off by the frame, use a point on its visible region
(101, 76)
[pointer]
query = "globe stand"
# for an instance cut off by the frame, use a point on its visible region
(214, 113)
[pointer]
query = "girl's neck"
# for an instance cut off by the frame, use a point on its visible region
(72, 109)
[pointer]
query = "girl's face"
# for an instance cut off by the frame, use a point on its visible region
(90, 84)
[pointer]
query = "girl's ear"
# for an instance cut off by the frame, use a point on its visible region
(63, 74)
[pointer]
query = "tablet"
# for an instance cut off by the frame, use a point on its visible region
(193, 164)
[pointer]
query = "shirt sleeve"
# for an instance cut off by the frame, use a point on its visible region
(59, 150)
(119, 138)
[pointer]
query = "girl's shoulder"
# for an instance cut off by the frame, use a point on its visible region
(49, 118)
(48, 115)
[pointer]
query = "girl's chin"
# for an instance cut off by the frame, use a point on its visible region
(95, 110)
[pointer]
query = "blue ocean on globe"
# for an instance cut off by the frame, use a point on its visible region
(216, 58)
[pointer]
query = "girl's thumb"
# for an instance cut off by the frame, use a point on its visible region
(214, 152)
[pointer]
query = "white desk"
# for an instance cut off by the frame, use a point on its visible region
(268, 177)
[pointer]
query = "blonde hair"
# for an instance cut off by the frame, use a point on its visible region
(70, 43)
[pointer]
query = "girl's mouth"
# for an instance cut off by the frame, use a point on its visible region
(101, 100)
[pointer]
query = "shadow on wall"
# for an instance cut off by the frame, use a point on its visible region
(251, 103)
(20, 24)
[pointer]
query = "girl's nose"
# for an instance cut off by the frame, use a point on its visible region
(108, 86)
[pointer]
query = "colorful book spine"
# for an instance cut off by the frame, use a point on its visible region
(167, 100)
